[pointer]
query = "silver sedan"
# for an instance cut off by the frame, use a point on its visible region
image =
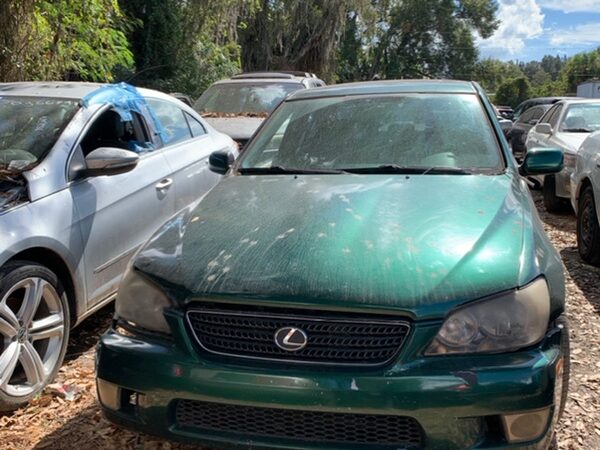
(87, 173)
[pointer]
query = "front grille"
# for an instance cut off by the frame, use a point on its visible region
(369, 430)
(332, 340)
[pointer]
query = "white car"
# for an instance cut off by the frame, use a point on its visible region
(585, 198)
(566, 125)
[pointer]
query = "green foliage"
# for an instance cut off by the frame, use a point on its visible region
(580, 68)
(513, 91)
(182, 45)
(63, 39)
(490, 73)
(430, 38)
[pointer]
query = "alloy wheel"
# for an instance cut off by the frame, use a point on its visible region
(32, 330)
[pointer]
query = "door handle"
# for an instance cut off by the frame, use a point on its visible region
(164, 184)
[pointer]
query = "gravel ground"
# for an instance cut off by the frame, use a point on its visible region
(52, 422)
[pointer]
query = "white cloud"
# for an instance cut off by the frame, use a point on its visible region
(568, 6)
(519, 20)
(584, 34)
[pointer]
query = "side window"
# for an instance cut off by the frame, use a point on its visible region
(527, 115)
(172, 120)
(196, 127)
(537, 113)
(109, 130)
(553, 119)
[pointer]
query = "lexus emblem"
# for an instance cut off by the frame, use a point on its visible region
(291, 339)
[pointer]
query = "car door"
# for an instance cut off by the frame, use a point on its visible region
(187, 147)
(118, 213)
(535, 139)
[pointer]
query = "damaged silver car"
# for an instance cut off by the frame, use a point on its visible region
(87, 173)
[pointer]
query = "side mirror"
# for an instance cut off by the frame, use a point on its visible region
(220, 161)
(543, 128)
(542, 161)
(110, 161)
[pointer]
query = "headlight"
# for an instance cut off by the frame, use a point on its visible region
(141, 303)
(503, 323)
(570, 160)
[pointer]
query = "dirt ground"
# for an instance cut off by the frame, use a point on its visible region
(52, 422)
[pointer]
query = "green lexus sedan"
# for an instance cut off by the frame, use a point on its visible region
(370, 274)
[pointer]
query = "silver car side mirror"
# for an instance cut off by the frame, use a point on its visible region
(110, 161)
(543, 128)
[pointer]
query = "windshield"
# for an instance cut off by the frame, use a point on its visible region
(252, 99)
(29, 127)
(378, 134)
(582, 118)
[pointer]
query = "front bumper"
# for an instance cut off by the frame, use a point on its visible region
(458, 401)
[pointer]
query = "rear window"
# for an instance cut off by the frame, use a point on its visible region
(253, 99)
(415, 130)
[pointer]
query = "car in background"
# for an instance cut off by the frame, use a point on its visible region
(237, 106)
(524, 106)
(505, 111)
(517, 135)
(565, 125)
(585, 198)
(87, 173)
(183, 98)
(309, 301)
(505, 124)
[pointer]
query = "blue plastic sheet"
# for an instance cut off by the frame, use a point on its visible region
(125, 98)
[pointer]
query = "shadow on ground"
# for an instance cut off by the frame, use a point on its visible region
(85, 336)
(586, 277)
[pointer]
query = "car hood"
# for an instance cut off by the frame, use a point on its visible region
(571, 141)
(416, 243)
(239, 127)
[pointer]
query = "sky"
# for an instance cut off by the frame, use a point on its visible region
(530, 29)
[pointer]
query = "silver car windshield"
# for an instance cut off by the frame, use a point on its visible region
(257, 99)
(374, 134)
(29, 128)
(582, 118)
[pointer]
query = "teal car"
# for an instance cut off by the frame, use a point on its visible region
(371, 273)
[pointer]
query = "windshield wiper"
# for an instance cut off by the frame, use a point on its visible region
(280, 170)
(577, 130)
(408, 170)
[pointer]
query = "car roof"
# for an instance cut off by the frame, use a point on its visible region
(293, 80)
(579, 100)
(56, 89)
(65, 89)
(387, 87)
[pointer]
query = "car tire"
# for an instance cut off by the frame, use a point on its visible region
(552, 202)
(588, 231)
(34, 331)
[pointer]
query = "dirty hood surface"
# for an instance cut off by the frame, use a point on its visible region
(236, 127)
(415, 243)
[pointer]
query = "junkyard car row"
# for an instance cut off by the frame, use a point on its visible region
(370, 273)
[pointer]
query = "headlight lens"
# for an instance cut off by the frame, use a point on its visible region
(141, 303)
(504, 323)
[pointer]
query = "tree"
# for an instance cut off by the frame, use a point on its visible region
(295, 34)
(513, 91)
(62, 39)
(490, 73)
(185, 45)
(580, 68)
(430, 38)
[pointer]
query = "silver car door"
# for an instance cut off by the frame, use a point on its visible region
(118, 213)
(187, 148)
